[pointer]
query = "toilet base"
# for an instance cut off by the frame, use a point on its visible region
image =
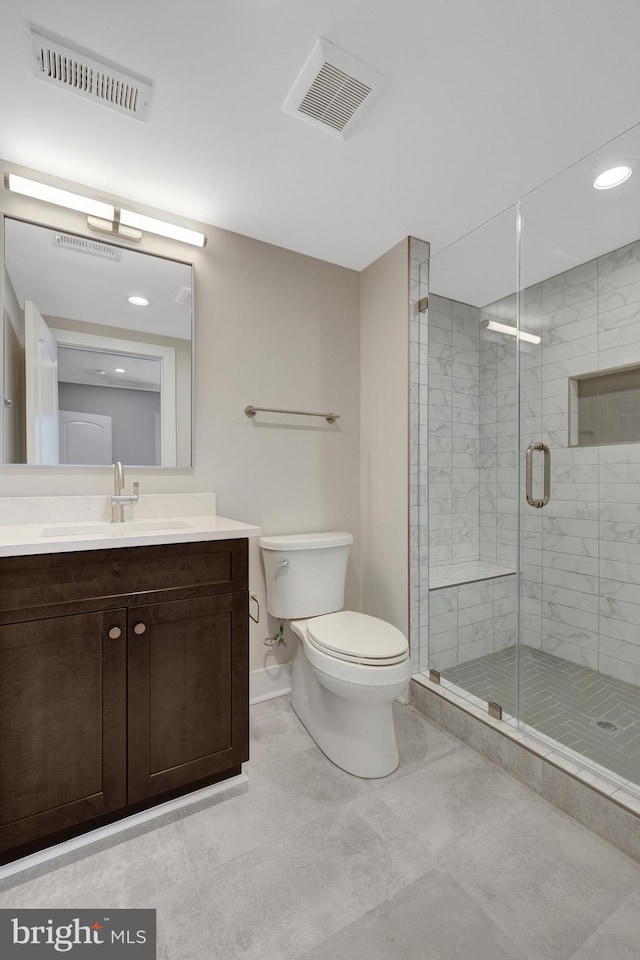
(351, 723)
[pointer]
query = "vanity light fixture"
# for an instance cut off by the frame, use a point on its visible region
(102, 216)
(62, 198)
(138, 301)
(151, 225)
(513, 331)
(612, 177)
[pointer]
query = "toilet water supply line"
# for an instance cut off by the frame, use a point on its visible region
(277, 640)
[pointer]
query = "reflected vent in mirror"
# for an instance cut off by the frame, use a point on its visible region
(67, 241)
(70, 68)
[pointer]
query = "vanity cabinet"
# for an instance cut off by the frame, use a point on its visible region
(123, 682)
(62, 682)
(182, 658)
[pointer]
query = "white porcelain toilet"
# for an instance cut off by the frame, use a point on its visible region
(348, 667)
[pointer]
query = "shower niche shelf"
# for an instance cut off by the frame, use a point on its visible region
(455, 574)
(604, 407)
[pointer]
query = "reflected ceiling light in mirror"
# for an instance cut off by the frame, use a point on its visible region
(612, 177)
(138, 301)
(62, 198)
(513, 331)
(120, 370)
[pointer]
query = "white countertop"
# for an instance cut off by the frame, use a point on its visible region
(21, 539)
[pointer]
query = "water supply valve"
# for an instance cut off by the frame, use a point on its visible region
(277, 640)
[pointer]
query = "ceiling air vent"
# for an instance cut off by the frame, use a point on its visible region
(67, 241)
(73, 69)
(333, 89)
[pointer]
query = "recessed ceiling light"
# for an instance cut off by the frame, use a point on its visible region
(612, 177)
(138, 301)
(120, 370)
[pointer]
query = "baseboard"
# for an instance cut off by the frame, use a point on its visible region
(270, 682)
(221, 790)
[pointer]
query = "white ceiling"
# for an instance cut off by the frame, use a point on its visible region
(559, 225)
(486, 100)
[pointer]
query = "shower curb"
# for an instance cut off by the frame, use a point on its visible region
(611, 817)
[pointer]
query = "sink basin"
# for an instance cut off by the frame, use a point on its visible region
(106, 529)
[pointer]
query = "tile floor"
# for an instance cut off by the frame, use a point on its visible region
(447, 859)
(562, 700)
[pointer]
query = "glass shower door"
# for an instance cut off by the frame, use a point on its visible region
(579, 555)
(468, 459)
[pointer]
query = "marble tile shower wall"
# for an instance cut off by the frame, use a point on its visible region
(580, 556)
(498, 438)
(471, 619)
(454, 431)
(472, 508)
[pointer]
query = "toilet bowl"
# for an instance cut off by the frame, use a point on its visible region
(346, 702)
(348, 667)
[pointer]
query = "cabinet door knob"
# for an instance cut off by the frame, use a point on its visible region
(115, 633)
(140, 628)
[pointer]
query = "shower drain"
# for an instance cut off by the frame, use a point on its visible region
(605, 725)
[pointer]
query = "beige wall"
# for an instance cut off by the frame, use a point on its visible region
(384, 341)
(273, 328)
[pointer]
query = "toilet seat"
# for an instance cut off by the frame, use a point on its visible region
(357, 638)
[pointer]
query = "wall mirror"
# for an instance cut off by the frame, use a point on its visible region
(97, 352)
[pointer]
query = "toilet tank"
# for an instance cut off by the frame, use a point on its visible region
(305, 573)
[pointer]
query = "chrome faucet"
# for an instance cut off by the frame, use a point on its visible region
(119, 498)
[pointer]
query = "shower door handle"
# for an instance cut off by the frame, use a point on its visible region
(531, 500)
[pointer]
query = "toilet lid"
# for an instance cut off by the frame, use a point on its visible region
(351, 635)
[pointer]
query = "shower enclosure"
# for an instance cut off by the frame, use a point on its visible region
(525, 460)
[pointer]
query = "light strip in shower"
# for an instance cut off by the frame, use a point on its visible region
(513, 331)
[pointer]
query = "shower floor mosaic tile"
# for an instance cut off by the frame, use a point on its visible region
(595, 715)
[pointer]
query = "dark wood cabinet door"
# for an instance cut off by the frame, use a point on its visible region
(62, 723)
(188, 692)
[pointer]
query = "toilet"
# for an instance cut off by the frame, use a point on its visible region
(348, 667)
